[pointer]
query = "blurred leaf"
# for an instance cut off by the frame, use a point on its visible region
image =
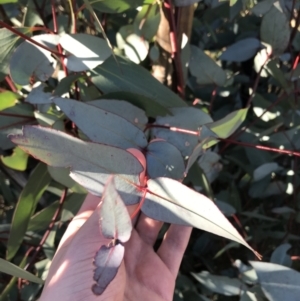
(275, 30)
(11, 269)
(91, 163)
(116, 6)
(136, 48)
(265, 169)
(226, 126)
(129, 77)
(115, 130)
(28, 200)
(278, 282)
(220, 284)
(170, 201)
(280, 255)
(147, 21)
(8, 99)
(274, 70)
(87, 51)
(17, 160)
(205, 69)
(241, 51)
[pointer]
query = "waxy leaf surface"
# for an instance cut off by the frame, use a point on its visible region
(102, 126)
(91, 164)
(115, 222)
(172, 202)
(107, 262)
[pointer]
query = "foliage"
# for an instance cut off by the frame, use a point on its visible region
(80, 111)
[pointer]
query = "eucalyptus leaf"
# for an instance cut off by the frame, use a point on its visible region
(91, 164)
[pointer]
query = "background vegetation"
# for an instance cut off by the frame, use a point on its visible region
(218, 57)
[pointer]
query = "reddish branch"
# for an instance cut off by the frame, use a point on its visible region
(51, 225)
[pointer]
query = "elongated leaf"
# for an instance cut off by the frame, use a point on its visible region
(164, 160)
(87, 51)
(183, 118)
(277, 281)
(90, 163)
(275, 30)
(205, 69)
(115, 222)
(152, 107)
(30, 60)
(242, 50)
(220, 284)
(265, 169)
(107, 262)
(11, 269)
(102, 126)
(129, 77)
(29, 198)
(172, 202)
(124, 109)
(229, 124)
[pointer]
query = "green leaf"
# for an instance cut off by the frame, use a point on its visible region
(275, 30)
(30, 60)
(275, 71)
(129, 77)
(277, 281)
(8, 43)
(135, 47)
(226, 126)
(11, 269)
(65, 84)
(164, 160)
(90, 163)
(115, 130)
(189, 118)
(116, 6)
(147, 21)
(205, 69)
(86, 51)
(17, 160)
(170, 201)
(8, 99)
(29, 198)
(151, 107)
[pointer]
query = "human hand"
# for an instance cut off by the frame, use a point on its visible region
(143, 275)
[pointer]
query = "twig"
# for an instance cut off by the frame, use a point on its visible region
(51, 225)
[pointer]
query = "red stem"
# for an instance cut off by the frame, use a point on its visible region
(51, 225)
(22, 35)
(11, 84)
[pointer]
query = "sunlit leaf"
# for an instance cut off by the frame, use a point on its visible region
(91, 164)
(8, 99)
(86, 51)
(116, 6)
(17, 160)
(278, 282)
(115, 222)
(172, 202)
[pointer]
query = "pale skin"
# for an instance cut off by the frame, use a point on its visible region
(143, 275)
